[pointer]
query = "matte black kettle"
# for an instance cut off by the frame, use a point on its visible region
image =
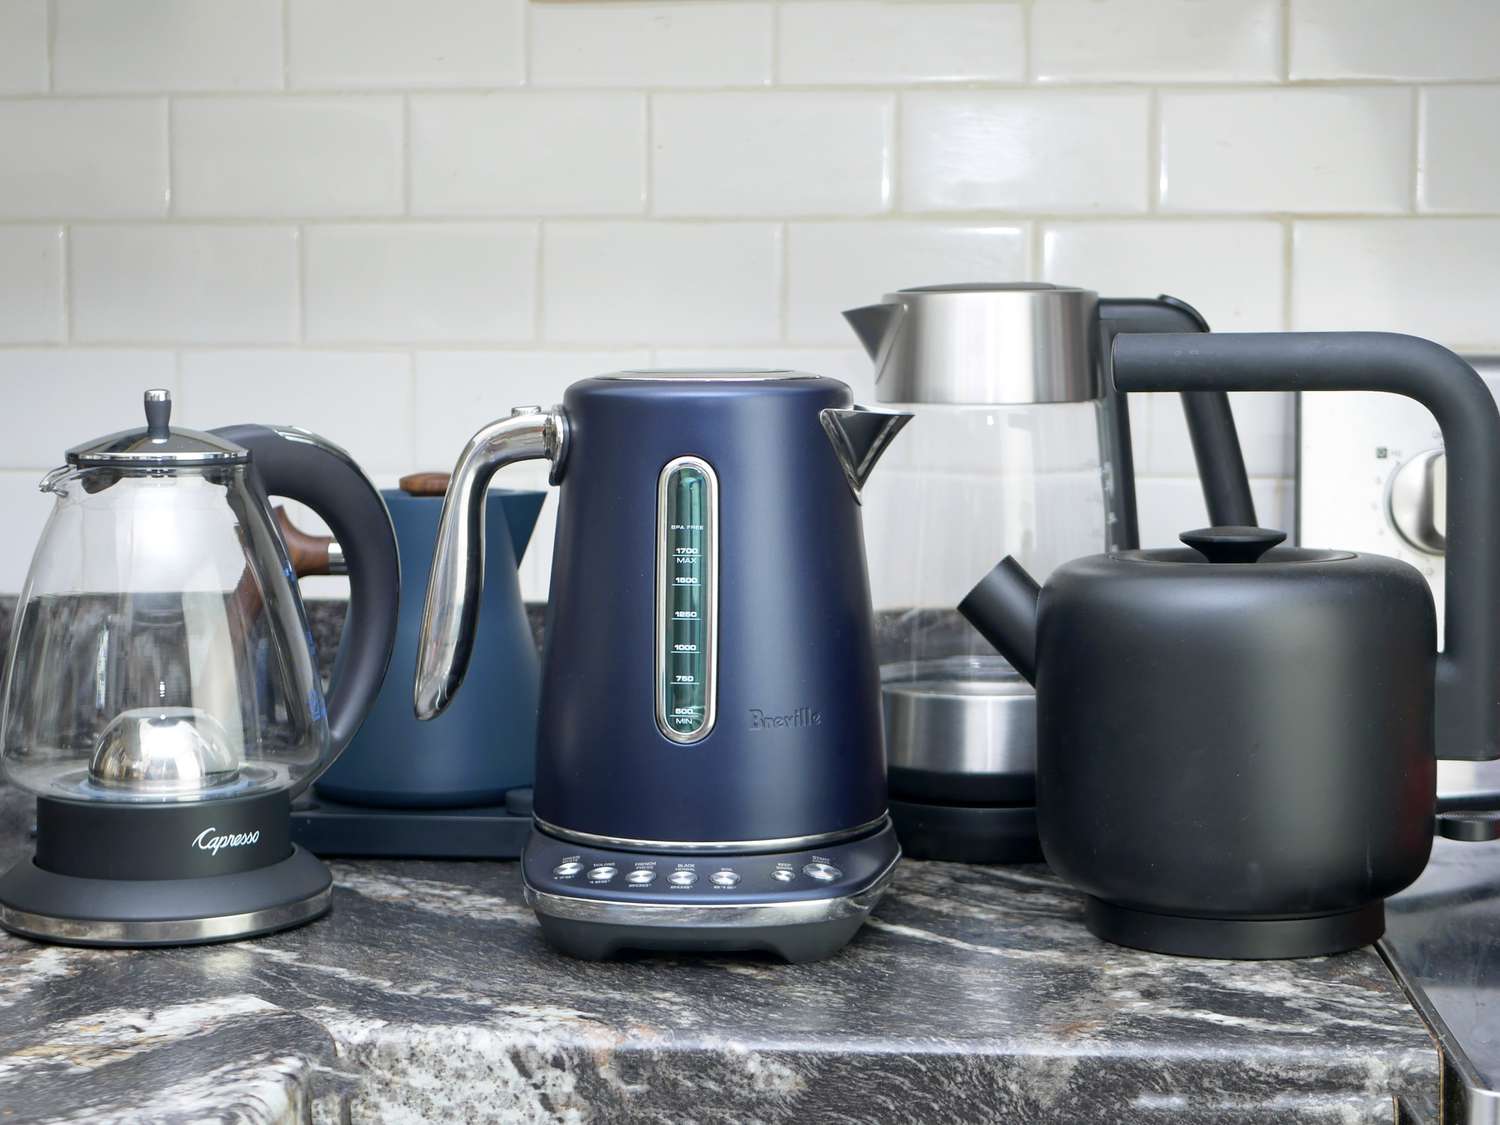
(1237, 741)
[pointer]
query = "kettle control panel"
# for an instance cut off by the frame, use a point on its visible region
(687, 598)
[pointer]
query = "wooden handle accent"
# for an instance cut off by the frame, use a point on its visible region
(425, 484)
(308, 553)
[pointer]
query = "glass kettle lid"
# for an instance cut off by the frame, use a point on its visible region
(157, 443)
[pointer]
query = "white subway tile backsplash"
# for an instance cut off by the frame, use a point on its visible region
(423, 283)
(23, 512)
(1286, 150)
(83, 158)
(836, 266)
(300, 156)
(384, 43)
(458, 392)
(526, 153)
(151, 45)
(31, 284)
(1156, 40)
(1437, 39)
(785, 153)
(187, 283)
(1430, 277)
(361, 401)
(883, 42)
(848, 365)
(72, 395)
(1458, 163)
(1232, 271)
(23, 46)
(661, 283)
(1055, 151)
(651, 44)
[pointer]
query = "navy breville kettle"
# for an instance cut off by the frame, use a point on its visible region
(709, 733)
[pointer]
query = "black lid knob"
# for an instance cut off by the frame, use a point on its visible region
(1232, 544)
(158, 413)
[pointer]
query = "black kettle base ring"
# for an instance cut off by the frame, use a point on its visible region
(1237, 939)
(72, 910)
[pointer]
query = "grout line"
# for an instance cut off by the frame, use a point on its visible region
(1036, 252)
(49, 38)
(1028, 67)
(67, 284)
(539, 286)
(776, 44)
(408, 155)
(649, 162)
(1284, 40)
(898, 141)
(169, 106)
(1156, 157)
(784, 284)
(301, 285)
(1418, 100)
(286, 45)
(1288, 258)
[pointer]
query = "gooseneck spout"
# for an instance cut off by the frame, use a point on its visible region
(451, 612)
(860, 438)
(1468, 668)
(1003, 608)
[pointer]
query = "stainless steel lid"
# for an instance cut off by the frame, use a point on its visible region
(157, 442)
(1013, 343)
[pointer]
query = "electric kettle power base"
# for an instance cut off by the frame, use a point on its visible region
(330, 828)
(597, 902)
(109, 875)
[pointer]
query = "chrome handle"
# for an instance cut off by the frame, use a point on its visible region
(456, 584)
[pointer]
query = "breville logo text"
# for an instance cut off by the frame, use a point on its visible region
(208, 842)
(801, 717)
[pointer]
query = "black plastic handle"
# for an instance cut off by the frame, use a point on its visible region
(1210, 422)
(1468, 669)
(301, 466)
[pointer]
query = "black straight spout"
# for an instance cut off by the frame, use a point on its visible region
(1468, 670)
(1003, 608)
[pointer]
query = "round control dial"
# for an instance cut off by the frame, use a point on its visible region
(1417, 501)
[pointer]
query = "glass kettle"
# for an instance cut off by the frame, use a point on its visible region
(162, 660)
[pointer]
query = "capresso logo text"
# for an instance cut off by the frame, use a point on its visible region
(206, 840)
(801, 717)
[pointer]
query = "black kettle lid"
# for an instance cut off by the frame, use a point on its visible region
(1233, 544)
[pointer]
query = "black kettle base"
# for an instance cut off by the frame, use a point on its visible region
(967, 833)
(596, 902)
(1268, 939)
(126, 913)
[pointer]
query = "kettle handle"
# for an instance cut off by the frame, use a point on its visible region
(1468, 670)
(1210, 422)
(302, 466)
(450, 614)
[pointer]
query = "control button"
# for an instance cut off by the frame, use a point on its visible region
(783, 874)
(602, 874)
(567, 870)
(641, 877)
(682, 878)
(724, 878)
(822, 872)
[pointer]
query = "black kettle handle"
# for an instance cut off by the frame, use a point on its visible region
(301, 466)
(1468, 669)
(1210, 422)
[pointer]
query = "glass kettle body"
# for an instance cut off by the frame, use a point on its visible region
(161, 648)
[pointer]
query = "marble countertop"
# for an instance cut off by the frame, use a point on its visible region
(428, 994)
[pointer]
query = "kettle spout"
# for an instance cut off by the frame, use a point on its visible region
(1003, 608)
(875, 325)
(859, 438)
